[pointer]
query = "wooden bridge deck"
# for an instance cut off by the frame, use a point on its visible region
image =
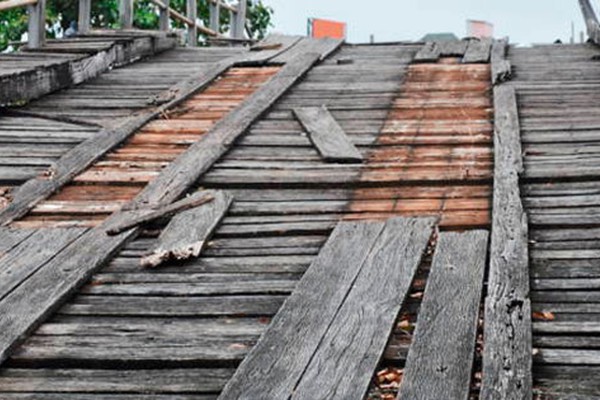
(81, 319)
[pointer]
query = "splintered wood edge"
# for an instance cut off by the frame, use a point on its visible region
(160, 256)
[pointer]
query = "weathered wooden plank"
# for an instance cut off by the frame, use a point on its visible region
(9, 238)
(343, 364)
(326, 134)
(478, 51)
(30, 255)
(507, 332)
(188, 232)
(430, 52)
(441, 356)
(285, 350)
(501, 67)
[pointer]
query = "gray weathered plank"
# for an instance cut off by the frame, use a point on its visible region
(188, 232)
(430, 52)
(326, 134)
(478, 51)
(507, 332)
(440, 359)
(9, 238)
(343, 365)
(31, 255)
(284, 351)
(501, 67)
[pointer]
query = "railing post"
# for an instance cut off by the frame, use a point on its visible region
(238, 20)
(85, 14)
(215, 13)
(164, 16)
(191, 6)
(36, 34)
(126, 14)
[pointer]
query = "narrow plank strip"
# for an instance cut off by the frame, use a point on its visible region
(327, 135)
(303, 319)
(478, 51)
(507, 329)
(501, 67)
(343, 365)
(430, 52)
(31, 254)
(440, 360)
(188, 232)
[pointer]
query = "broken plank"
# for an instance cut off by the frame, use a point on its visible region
(283, 352)
(326, 134)
(146, 216)
(188, 232)
(440, 359)
(343, 365)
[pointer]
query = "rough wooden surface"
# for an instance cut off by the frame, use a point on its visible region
(507, 331)
(343, 364)
(278, 360)
(430, 52)
(188, 232)
(326, 134)
(478, 51)
(441, 356)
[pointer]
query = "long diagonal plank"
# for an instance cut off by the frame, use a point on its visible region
(9, 238)
(478, 51)
(507, 330)
(440, 359)
(327, 135)
(274, 366)
(85, 154)
(31, 254)
(343, 365)
(188, 232)
(34, 300)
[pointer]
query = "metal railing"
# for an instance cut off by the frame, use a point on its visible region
(36, 35)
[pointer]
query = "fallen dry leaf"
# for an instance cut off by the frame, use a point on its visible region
(543, 316)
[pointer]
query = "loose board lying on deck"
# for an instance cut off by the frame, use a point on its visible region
(334, 327)
(326, 134)
(187, 233)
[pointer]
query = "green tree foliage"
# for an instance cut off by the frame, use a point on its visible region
(105, 14)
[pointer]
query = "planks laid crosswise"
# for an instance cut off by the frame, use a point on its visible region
(306, 343)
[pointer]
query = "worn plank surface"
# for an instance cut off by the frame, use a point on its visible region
(278, 360)
(507, 331)
(478, 51)
(343, 364)
(430, 52)
(441, 356)
(326, 134)
(188, 232)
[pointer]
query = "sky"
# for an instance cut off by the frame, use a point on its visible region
(523, 21)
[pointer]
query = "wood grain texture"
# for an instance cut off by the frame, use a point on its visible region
(507, 332)
(440, 359)
(327, 136)
(478, 51)
(276, 363)
(430, 52)
(188, 232)
(343, 364)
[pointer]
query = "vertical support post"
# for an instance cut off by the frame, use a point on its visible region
(36, 34)
(191, 6)
(126, 14)
(238, 20)
(85, 14)
(163, 21)
(215, 14)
